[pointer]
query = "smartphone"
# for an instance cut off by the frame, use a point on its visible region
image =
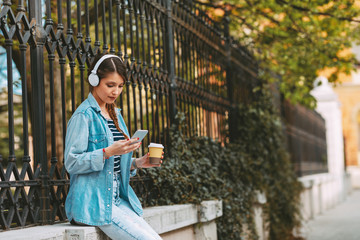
(139, 134)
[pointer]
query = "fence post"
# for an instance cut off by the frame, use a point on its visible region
(171, 61)
(229, 78)
(38, 105)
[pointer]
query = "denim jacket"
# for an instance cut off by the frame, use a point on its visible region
(89, 200)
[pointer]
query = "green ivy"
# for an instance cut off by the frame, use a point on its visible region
(197, 169)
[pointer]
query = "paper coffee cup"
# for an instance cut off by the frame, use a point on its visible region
(155, 150)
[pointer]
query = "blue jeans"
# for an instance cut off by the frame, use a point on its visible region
(126, 224)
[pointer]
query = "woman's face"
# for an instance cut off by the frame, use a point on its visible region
(109, 89)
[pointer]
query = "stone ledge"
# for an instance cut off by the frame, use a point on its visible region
(163, 219)
(61, 231)
(168, 218)
(209, 210)
(316, 179)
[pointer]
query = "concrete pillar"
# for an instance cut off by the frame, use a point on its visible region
(328, 106)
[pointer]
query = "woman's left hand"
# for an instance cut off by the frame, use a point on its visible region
(144, 161)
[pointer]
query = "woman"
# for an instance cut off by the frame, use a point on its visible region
(98, 157)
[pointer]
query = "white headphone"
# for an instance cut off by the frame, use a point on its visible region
(93, 77)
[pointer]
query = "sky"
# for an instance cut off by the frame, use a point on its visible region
(4, 75)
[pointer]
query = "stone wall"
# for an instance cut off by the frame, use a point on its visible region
(187, 221)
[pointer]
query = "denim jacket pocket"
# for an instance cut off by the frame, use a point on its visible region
(97, 141)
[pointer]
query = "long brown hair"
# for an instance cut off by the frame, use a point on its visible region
(110, 65)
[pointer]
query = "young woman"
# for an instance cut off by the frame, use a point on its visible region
(98, 157)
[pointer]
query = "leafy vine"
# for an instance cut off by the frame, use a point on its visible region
(197, 169)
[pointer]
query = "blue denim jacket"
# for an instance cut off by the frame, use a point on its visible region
(89, 200)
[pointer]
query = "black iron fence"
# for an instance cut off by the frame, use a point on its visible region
(306, 139)
(178, 59)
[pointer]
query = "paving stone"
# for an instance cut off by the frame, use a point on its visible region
(339, 223)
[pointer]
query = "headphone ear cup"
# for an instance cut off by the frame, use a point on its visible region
(93, 80)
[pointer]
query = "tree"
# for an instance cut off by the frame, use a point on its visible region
(294, 39)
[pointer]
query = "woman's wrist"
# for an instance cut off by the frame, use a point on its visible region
(108, 152)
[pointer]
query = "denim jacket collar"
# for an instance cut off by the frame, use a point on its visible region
(94, 104)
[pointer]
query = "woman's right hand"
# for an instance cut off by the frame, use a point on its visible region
(122, 147)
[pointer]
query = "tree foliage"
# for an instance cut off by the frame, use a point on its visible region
(294, 39)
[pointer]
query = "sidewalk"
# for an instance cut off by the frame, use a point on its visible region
(340, 223)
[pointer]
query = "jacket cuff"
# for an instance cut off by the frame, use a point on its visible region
(132, 172)
(97, 160)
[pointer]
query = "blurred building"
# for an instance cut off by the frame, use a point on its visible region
(348, 91)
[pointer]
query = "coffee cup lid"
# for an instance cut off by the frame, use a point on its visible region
(157, 145)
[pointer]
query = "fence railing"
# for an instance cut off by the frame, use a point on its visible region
(178, 59)
(306, 139)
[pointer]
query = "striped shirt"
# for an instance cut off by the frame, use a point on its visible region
(117, 136)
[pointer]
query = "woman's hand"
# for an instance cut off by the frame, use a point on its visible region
(122, 147)
(144, 161)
